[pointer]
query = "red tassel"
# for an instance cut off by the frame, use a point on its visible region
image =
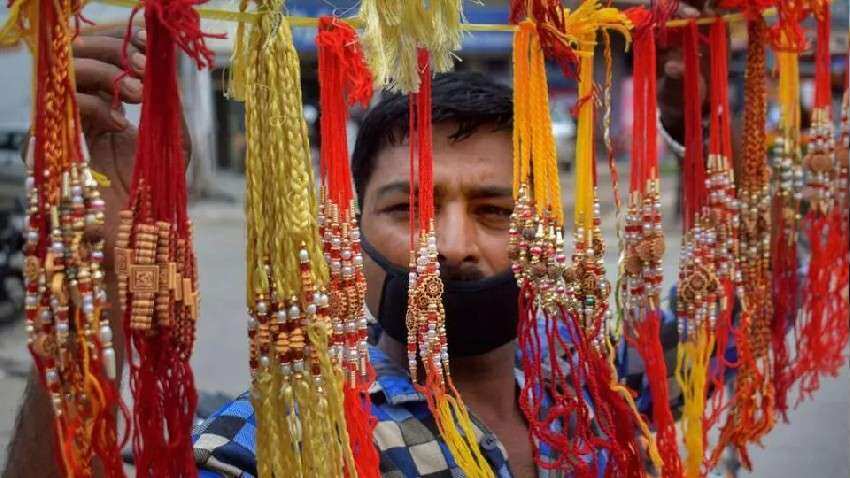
(648, 344)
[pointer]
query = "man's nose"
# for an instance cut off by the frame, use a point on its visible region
(456, 242)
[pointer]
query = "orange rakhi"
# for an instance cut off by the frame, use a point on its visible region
(66, 308)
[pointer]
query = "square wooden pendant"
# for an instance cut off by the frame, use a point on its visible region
(144, 278)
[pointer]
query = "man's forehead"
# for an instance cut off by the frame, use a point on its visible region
(484, 157)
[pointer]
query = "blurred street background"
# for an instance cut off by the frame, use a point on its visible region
(816, 443)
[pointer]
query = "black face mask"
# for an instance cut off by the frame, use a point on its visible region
(480, 315)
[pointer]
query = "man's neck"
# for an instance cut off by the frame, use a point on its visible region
(486, 382)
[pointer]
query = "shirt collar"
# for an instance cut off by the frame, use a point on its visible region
(392, 381)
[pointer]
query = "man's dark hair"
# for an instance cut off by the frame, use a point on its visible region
(468, 99)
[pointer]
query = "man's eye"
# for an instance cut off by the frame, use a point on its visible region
(396, 209)
(494, 212)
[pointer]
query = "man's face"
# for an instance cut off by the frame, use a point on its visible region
(472, 200)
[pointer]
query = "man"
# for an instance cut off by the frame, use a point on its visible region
(473, 200)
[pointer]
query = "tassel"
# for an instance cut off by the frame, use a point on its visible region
(537, 227)
(394, 31)
(66, 308)
(751, 414)
(344, 79)
(608, 401)
(692, 374)
(158, 290)
(298, 396)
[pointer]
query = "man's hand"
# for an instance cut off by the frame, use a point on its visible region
(98, 62)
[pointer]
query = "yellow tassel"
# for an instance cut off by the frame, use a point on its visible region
(584, 187)
(333, 381)
(534, 144)
(238, 61)
(580, 28)
(693, 358)
(394, 30)
(266, 442)
(463, 444)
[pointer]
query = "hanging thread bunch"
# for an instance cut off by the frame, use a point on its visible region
(155, 261)
(642, 271)
(787, 167)
(394, 31)
(550, 288)
(751, 413)
(536, 249)
(66, 310)
(613, 405)
(823, 325)
(405, 44)
(344, 79)
(297, 387)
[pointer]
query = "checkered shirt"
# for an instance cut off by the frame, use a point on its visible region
(406, 435)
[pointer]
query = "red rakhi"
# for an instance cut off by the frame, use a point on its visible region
(723, 205)
(155, 262)
(66, 308)
(823, 331)
(641, 286)
(344, 79)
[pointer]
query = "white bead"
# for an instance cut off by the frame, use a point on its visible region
(108, 357)
(105, 334)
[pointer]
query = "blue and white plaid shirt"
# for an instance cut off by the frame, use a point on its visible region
(406, 435)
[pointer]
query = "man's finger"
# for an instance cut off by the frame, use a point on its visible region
(97, 115)
(94, 76)
(110, 50)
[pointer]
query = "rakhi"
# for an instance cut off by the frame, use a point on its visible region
(154, 259)
(751, 413)
(787, 175)
(639, 289)
(426, 319)
(699, 289)
(823, 331)
(344, 79)
(66, 308)
(296, 386)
